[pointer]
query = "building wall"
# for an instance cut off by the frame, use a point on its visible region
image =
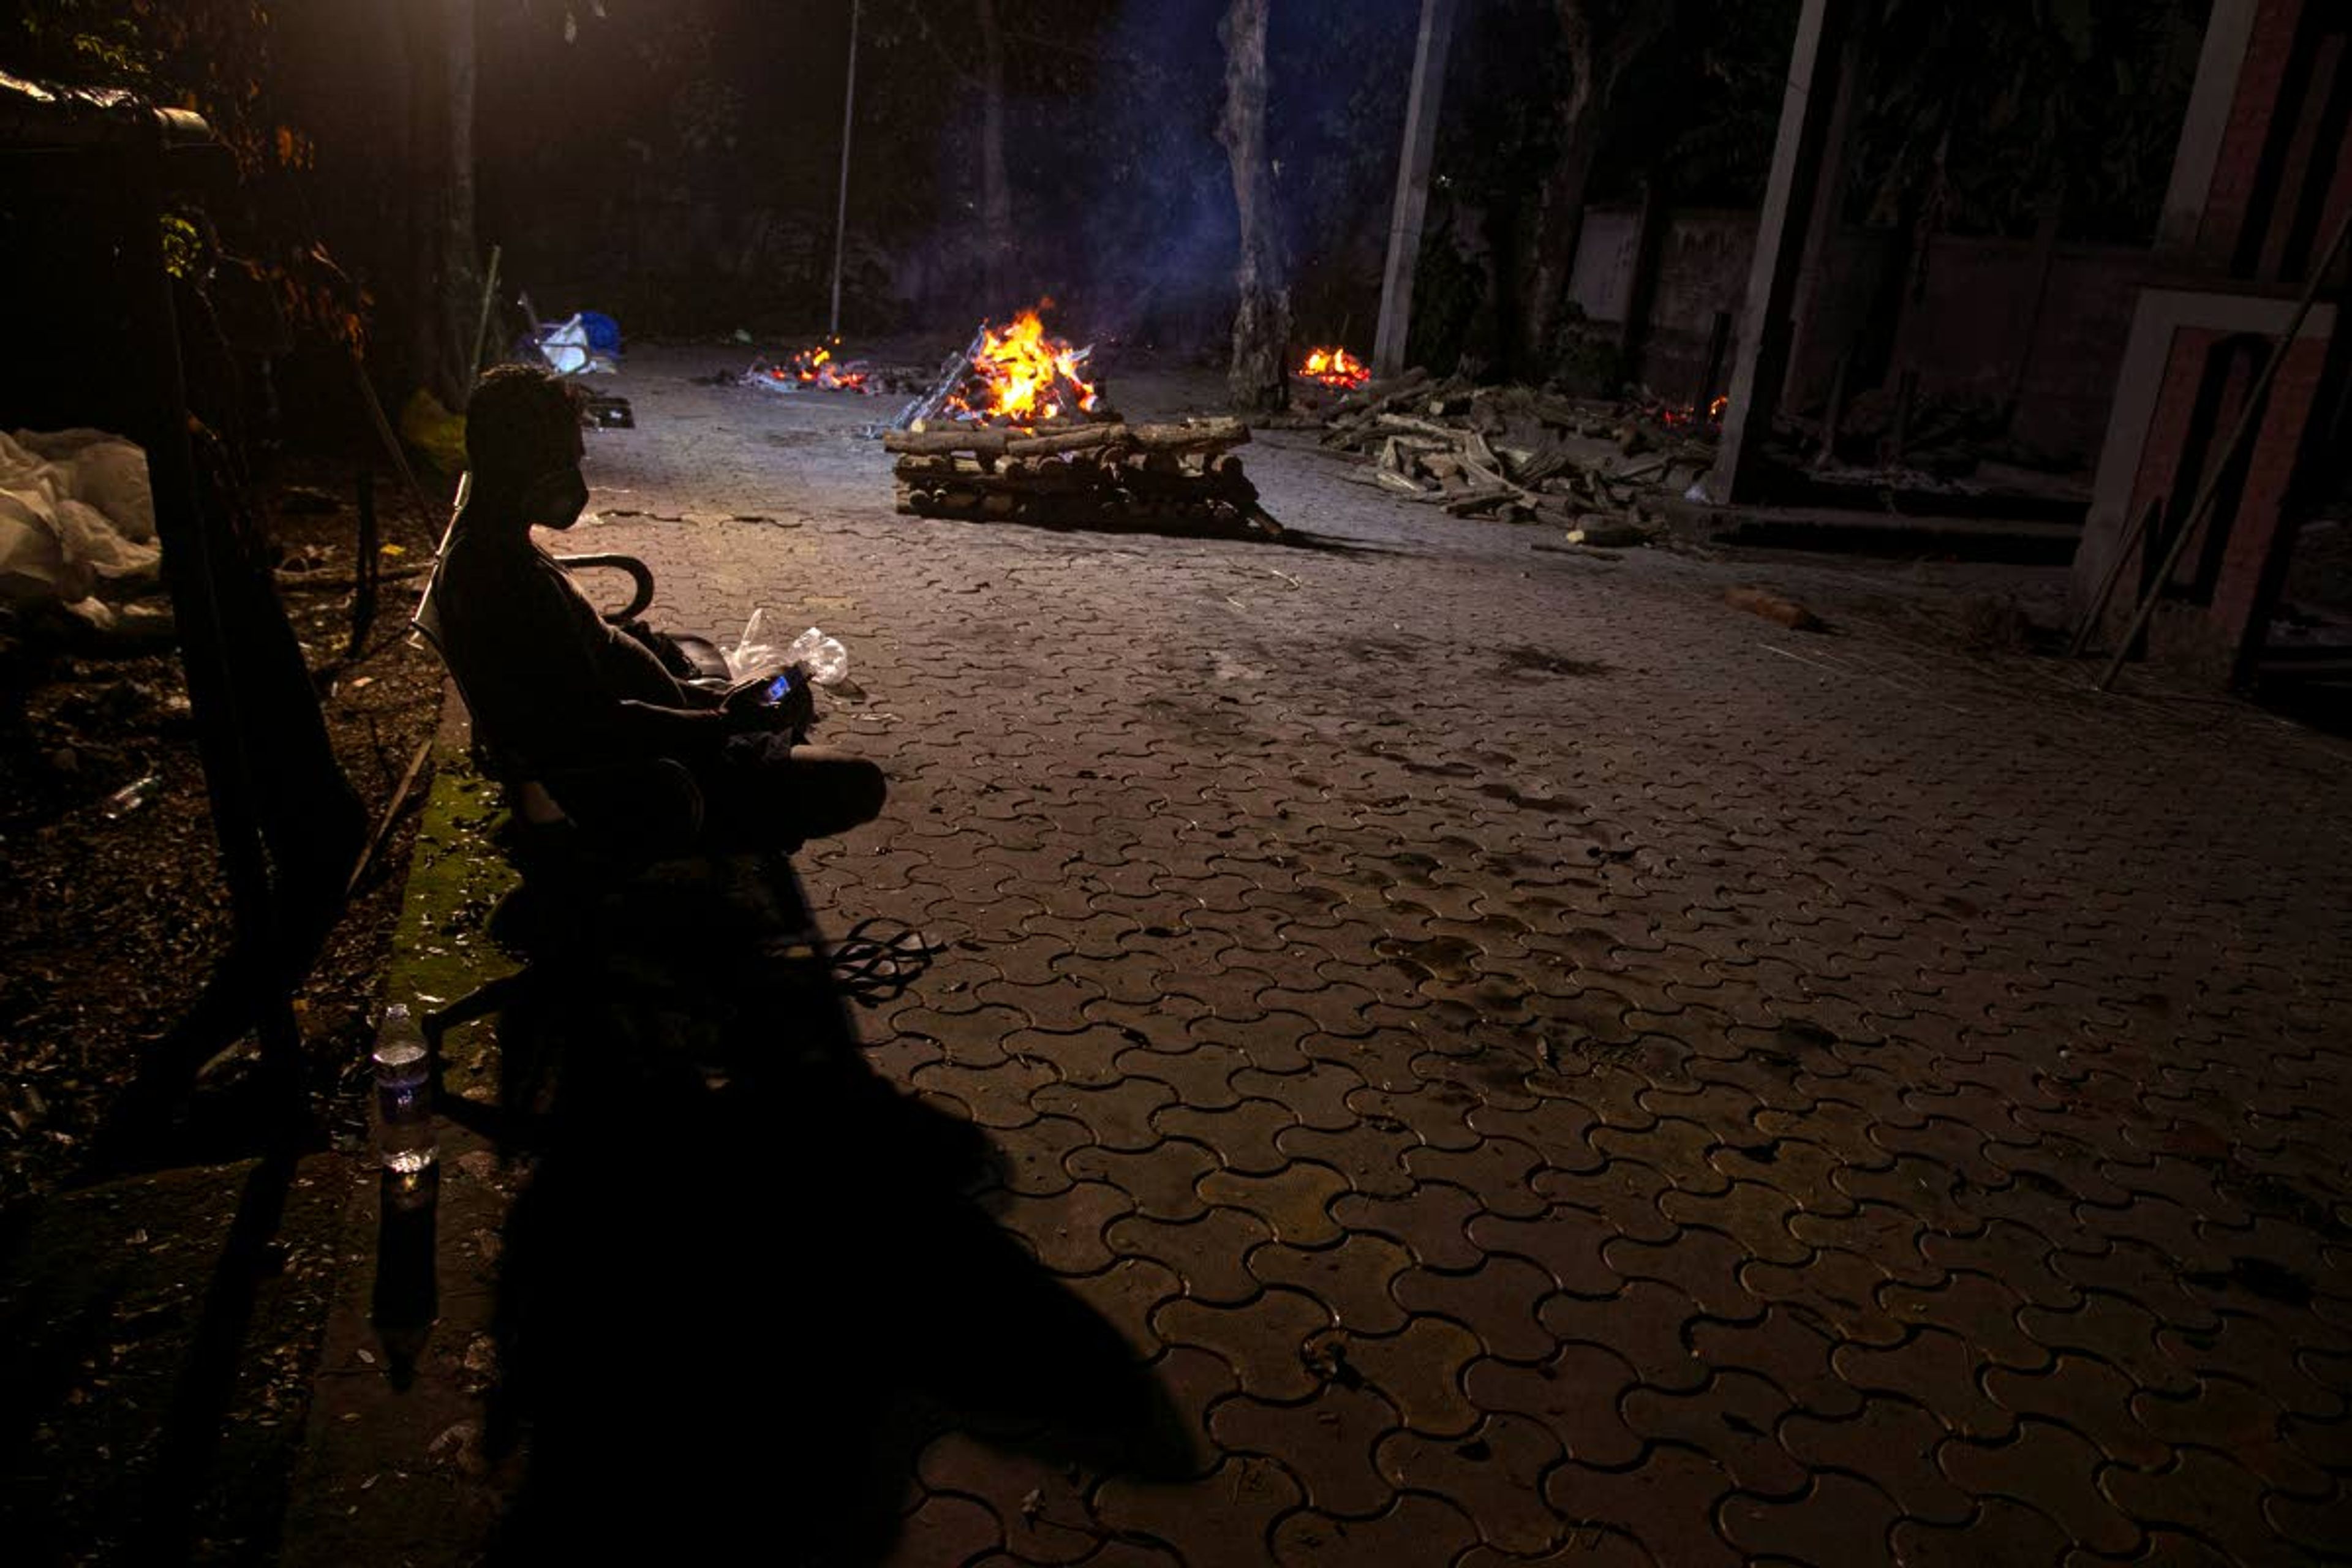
(1967, 333)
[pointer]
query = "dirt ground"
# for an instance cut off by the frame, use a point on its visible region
(117, 919)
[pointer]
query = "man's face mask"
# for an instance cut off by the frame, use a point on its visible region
(556, 498)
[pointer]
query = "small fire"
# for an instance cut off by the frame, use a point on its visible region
(1336, 367)
(817, 367)
(1029, 375)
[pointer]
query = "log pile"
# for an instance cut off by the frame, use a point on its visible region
(1512, 453)
(1183, 478)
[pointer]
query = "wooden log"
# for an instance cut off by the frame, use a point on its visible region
(1091, 438)
(978, 440)
(1388, 479)
(1468, 501)
(1199, 436)
(1446, 435)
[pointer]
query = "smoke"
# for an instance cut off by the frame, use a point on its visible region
(1160, 234)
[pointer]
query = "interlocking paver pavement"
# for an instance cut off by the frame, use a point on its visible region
(1550, 1069)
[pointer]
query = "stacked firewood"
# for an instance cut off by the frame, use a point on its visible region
(1512, 453)
(1160, 477)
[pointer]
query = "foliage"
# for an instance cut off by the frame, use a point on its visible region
(213, 56)
(1981, 115)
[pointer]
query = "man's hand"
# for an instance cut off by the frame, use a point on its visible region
(748, 708)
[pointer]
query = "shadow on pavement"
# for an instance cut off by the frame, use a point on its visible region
(742, 1284)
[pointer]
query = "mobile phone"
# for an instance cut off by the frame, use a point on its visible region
(778, 689)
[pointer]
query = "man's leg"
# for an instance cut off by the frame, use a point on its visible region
(762, 790)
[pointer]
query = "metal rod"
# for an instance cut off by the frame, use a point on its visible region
(482, 331)
(2249, 421)
(841, 207)
(2090, 617)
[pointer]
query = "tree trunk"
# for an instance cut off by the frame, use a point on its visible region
(1259, 378)
(1596, 71)
(995, 188)
(1559, 229)
(443, 278)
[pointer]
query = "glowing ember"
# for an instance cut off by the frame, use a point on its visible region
(817, 367)
(1688, 416)
(1027, 377)
(1336, 367)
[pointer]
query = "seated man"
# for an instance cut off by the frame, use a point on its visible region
(574, 702)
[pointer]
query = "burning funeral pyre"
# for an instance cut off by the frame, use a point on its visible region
(817, 367)
(1014, 432)
(1168, 477)
(1019, 377)
(1335, 368)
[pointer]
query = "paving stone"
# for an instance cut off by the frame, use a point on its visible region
(1496, 1475)
(2052, 1470)
(2239, 1420)
(1164, 1180)
(1566, 1244)
(1120, 1117)
(1351, 1278)
(1368, 1158)
(1496, 1301)
(1432, 1223)
(1265, 1341)
(1295, 1201)
(2201, 1493)
(945, 1529)
(1932, 1368)
(1206, 1253)
(1416, 1529)
(2001, 1532)
(1234, 1530)
(1790, 1349)
(1667, 1503)
(1419, 1369)
(1577, 1396)
(1912, 1097)
(1040, 1510)
(2088, 1395)
(1326, 1441)
(1064, 1232)
(1243, 1136)
(1646, 1323)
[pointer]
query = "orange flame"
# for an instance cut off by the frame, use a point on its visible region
(817, 367)
(1029, 375)
(1336, 367)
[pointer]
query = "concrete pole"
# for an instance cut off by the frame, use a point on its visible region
(1806, 109)
(840, 208)
(1420, 115)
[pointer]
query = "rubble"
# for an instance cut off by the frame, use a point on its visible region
(1517, 454)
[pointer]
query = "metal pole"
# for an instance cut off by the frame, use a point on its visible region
(841, 209)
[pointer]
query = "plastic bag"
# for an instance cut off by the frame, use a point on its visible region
(824, 657)
(755, 658)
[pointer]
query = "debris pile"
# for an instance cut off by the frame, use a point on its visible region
(1518, 455)
(1183, 477)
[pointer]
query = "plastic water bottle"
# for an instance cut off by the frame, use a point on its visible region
(824, 657)
(134, 795)
(403, 1094)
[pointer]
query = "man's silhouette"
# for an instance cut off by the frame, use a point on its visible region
(579, 705)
